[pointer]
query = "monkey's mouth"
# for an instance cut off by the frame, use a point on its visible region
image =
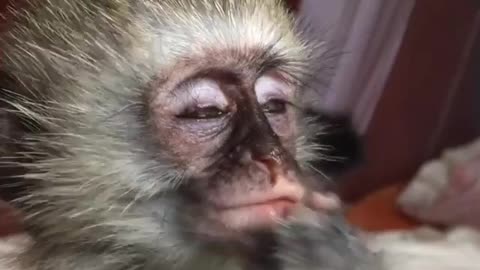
(255, 216)
(242, 224)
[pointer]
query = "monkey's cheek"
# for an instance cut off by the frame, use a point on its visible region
(255, 217)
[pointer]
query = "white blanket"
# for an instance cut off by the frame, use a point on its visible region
(428, 249)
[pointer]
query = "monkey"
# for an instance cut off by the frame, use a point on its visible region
(164, 134)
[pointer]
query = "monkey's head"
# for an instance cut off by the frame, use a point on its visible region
(164, 124)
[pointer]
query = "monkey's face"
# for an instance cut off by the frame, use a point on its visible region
(233, 132)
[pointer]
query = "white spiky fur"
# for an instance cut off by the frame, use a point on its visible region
(80, 66)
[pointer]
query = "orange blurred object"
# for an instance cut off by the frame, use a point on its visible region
(378, 212)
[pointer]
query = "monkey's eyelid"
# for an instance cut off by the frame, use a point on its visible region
(268, 87)
(200, 94)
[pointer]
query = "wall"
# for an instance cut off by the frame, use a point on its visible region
(368, 33)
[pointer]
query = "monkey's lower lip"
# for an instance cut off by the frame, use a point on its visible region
(255, 216)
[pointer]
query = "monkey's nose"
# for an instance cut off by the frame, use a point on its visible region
(285, 182)
(288, 182)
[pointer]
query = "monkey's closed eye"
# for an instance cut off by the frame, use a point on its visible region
(206, 112)
(200, 100)
(273, 94)
(275, 106)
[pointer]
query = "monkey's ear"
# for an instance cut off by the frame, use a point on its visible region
(344, 144)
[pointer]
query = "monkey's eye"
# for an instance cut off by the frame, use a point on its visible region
(207, 112)
(201, 99)
(275, 106)
(273, 94)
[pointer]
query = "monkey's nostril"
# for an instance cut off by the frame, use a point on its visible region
(273, 169)
(276, 168)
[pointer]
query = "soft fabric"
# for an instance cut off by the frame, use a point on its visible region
(446, 191)
(10, 247)
(428, 249)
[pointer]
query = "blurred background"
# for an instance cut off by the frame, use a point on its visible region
(408, 78)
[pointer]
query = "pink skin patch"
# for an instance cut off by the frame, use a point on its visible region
(464, 176)
(462, 179)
